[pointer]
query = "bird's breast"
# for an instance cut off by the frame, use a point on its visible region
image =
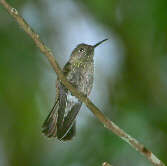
(82, 77)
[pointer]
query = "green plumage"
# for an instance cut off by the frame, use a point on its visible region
(79, 71)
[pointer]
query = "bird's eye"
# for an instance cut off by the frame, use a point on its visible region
(81, 50)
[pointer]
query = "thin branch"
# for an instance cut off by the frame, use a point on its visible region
(102, 118)
(106, 164)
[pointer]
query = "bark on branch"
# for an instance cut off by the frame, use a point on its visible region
(102, 118)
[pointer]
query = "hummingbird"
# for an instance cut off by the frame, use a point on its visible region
(79, 71)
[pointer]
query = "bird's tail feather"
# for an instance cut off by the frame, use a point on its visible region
(69, 121)
(49, 126)
(56, 125)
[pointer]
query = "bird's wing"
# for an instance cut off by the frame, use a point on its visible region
(69, 128)
(54, 121)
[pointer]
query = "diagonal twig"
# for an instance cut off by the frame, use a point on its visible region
(102, 118)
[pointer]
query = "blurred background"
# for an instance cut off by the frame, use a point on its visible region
(130, 84)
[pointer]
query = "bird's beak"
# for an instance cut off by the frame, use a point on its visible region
(97, 44)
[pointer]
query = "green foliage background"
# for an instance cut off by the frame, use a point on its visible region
(138, 94)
